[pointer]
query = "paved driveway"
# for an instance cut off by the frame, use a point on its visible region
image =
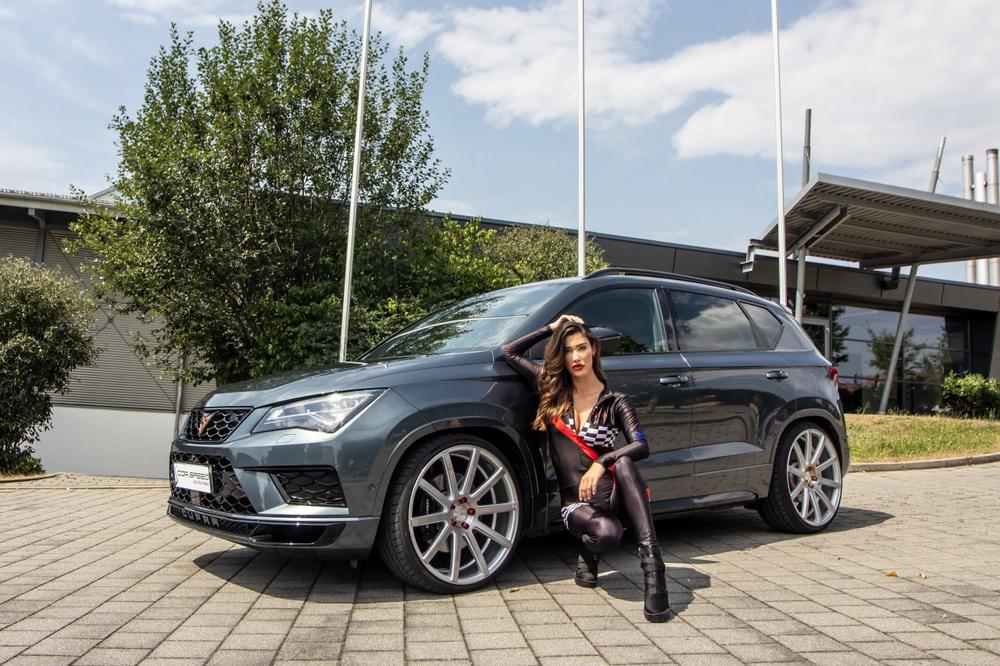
(95, 574)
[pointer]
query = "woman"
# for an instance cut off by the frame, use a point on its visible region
(597, 475)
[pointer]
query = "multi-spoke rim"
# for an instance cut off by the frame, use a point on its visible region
(463, 515)
(814, 481)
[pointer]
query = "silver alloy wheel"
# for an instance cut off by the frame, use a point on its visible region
(463, 514)
(814, 481)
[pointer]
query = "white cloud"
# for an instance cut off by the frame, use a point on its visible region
(400, 28)
(885, 78)
(206, 13)
(26, 166)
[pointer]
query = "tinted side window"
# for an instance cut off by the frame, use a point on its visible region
(766, 322)
(635, 313)
(711, 323)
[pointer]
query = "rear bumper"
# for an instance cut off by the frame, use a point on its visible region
(347, 538)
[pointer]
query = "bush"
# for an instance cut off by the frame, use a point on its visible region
(971, 395)
(45, 322)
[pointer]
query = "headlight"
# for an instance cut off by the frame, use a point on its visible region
(325, 413)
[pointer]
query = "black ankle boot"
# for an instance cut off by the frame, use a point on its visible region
(656, 607)
(586, 567)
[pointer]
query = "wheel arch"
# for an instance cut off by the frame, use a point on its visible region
(821, 416)
(504, 437)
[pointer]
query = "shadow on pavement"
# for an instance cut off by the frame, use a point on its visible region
(687, 539)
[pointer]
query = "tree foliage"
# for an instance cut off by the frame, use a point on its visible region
(230, 225)
(529, 254)
(45, 322)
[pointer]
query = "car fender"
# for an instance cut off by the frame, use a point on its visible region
(462, 417)
(815, 408)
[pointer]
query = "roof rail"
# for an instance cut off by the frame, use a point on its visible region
(615, 270)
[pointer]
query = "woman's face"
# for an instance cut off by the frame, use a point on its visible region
(578, 355)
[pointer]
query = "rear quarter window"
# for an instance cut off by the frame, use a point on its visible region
(766, 322)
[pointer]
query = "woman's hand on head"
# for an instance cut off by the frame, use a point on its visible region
(588, 484)
(564, 319)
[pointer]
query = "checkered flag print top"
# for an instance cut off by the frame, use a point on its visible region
(601, 436)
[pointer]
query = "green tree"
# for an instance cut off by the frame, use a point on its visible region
(45, 322)
(880, 346)
(229, 228)
(529, 254)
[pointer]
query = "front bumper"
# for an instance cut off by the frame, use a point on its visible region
(344, 538)
(270, 490)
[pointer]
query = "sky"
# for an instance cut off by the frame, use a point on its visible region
(680, 100)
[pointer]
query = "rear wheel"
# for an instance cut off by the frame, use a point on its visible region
(452, 516)
(806, 482)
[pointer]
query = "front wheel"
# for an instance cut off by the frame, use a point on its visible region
(806, 482)
(452, 516)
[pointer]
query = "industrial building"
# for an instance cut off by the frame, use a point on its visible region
(119, 415)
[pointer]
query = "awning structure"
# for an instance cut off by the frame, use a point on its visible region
(882, 226)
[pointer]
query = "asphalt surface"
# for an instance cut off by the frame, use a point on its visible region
(92, 572)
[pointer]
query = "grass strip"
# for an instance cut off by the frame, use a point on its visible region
(895, 437)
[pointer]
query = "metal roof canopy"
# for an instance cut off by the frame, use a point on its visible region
(882, 226)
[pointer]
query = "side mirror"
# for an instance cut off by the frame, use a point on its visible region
(609, 340)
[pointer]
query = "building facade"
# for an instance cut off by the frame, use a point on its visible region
(120, 414)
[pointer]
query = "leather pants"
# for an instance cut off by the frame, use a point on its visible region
(598, 524)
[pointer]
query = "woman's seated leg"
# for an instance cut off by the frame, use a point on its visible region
(630, 496)
(599, 529)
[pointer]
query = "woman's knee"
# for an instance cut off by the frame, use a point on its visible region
(606, 534)
(625, 469)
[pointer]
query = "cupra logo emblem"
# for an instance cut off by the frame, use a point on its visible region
(203, 423)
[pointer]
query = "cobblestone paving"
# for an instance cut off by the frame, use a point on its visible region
(92, 572)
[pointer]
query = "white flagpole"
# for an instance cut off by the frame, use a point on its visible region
(345, 316)
(581, 168)
(779, 158)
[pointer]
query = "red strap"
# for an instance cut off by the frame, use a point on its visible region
(566, 430)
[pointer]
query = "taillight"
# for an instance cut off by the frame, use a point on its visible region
(833, 374)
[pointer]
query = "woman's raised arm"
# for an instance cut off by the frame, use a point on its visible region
(513, 353)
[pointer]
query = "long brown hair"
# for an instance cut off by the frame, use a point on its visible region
(555, 385)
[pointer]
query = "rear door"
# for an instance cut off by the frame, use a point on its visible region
(648, 368)
(737, 385)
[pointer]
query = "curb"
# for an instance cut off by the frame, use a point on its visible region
(904, 465)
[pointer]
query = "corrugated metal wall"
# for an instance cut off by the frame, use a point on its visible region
(119, 379)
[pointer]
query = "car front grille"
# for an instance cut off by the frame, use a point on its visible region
(319, 486)
(213, 425)
(228, 497)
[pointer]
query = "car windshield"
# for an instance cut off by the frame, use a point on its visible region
(480, 322)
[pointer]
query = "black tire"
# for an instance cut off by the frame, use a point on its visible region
(778, 509)
(395, 542)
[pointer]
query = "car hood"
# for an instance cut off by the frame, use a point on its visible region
(275, 389)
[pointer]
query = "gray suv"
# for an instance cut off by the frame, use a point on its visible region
(423, 449)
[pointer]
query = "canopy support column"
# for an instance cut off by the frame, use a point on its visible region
(911, 282)
(800, 282)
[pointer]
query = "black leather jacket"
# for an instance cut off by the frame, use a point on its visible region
(612, 417)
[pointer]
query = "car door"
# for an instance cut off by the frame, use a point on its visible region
(649, 369)
(737, 385)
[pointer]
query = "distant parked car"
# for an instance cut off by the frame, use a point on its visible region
(423, 449)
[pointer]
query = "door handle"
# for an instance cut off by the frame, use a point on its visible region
(777, 375)
(675, 380)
